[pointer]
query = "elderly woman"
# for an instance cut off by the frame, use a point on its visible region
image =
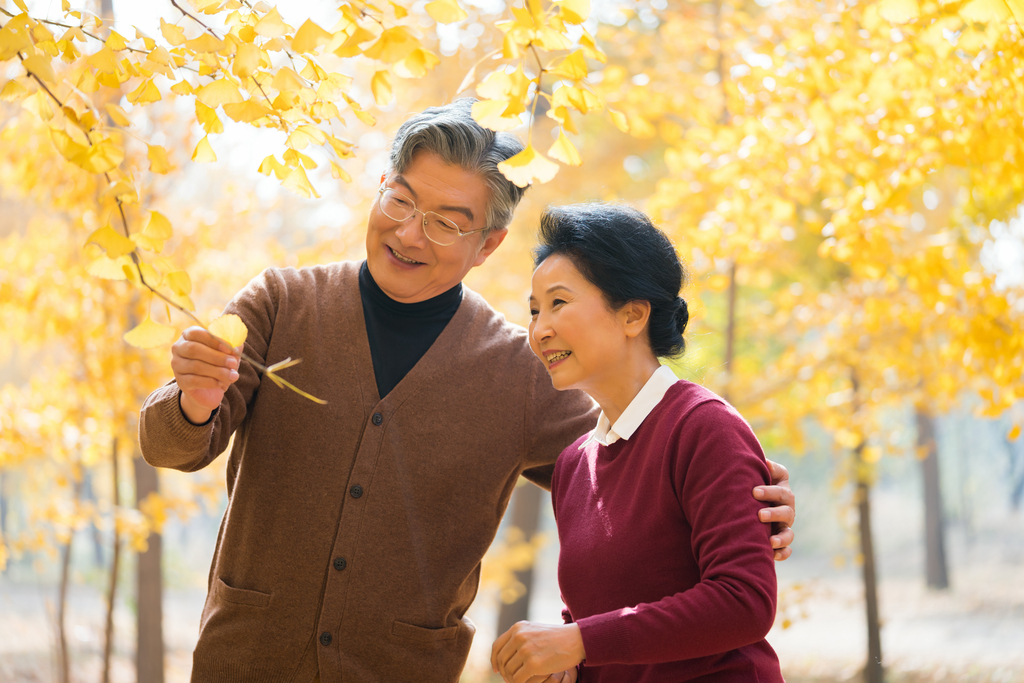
(665, 570)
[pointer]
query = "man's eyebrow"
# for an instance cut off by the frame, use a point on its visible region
(459, 209)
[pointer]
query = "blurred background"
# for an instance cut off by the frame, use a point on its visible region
(844, 181)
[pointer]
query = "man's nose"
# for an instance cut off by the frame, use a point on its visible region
(410, 231)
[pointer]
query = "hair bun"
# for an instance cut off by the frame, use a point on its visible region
(682, 314)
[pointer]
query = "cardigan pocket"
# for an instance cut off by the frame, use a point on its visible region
(421, 634)
(241, 596)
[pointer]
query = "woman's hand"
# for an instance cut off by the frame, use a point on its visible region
(782, 514)
(536, 653)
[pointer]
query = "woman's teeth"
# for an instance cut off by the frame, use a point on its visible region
(558, 356)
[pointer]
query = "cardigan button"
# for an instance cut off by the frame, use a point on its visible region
(356, 491)
(325, 638)
(378, 419)
(339, 563)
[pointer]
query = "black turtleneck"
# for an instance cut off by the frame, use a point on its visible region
(400, 334)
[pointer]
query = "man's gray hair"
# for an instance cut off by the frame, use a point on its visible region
(452, 134)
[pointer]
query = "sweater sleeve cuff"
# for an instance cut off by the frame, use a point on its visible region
(168, 438)
(604, 638)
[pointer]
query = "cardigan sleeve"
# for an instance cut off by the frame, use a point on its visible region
(166, 437)
(718, 463)
(552, 420)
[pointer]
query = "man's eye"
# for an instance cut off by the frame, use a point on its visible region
(534, 312)
(446, 224)
(400, 202)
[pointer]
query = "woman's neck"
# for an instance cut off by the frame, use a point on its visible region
(617, 387)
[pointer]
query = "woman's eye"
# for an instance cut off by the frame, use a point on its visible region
(534, 312)
(558, 302)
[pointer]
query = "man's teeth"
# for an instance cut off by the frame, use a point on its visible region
(403, 259)
(558, 356)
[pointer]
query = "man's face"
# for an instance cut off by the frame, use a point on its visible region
(406, 265)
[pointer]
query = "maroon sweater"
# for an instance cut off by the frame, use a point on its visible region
(663, 563)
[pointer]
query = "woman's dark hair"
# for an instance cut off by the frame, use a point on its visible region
(619, 251)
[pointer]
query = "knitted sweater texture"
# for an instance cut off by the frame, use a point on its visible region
(353, 535)
(663, 563)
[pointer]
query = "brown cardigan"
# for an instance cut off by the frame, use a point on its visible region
(354, 531)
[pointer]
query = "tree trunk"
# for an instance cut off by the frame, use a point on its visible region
(63, 656)
(936, 571)
(873, 670)
(149, 654)
(730, 334)
(115, 563)
(526, 502)
(3, 514)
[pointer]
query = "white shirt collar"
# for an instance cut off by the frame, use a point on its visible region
(636, 412)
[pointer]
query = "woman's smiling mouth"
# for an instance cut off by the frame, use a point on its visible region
(558, 356)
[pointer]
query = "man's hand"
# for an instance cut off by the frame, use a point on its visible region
(204, 367)
(538, 653)
(782, 513)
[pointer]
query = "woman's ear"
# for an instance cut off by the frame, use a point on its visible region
(633, 317)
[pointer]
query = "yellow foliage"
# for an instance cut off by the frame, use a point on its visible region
(230, 328)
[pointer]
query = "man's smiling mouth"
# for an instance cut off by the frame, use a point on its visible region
(405, 259)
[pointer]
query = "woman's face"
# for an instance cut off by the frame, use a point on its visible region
(579, 338)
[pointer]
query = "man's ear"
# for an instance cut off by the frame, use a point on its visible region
(634, 316)
(490, 243)
(382, 177)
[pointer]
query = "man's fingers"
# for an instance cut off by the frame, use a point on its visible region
(198, 334)
(783, 554)
(779, 472)
(782, 514)
(775, 494)
(782, 539)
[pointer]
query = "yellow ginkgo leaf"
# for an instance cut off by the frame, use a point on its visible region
(246, 60)
(116, 42)
(117, 114)
(204, 153)
(230, 328)
(899, 11)
(146, 92)
(157, 231)
(526, 166)
(380, 85)
(180, 282)
(247, 111)
(490, 114)
(39, 65)
(619, 119)
(12, 91)
(303, 135)
(271, 25)
(101, 157)
(1014, 433)
(985, 10)
(108, 268)
(339, 173)
(174, 35)
(208, 119)
(298, 182)
(112, 242)
(574, 11)
(564, 151)
(309, 37)
(394, 44)
(205, 43)
(149, 335)
(158, 162)
(417, 64)
(221, 91)
(573, 67)
(445, 11)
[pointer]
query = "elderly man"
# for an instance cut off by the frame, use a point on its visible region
(351, 545)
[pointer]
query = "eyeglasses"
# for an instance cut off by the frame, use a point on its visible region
(438, 229)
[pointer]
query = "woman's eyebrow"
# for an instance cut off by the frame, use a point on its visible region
(553, 288)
